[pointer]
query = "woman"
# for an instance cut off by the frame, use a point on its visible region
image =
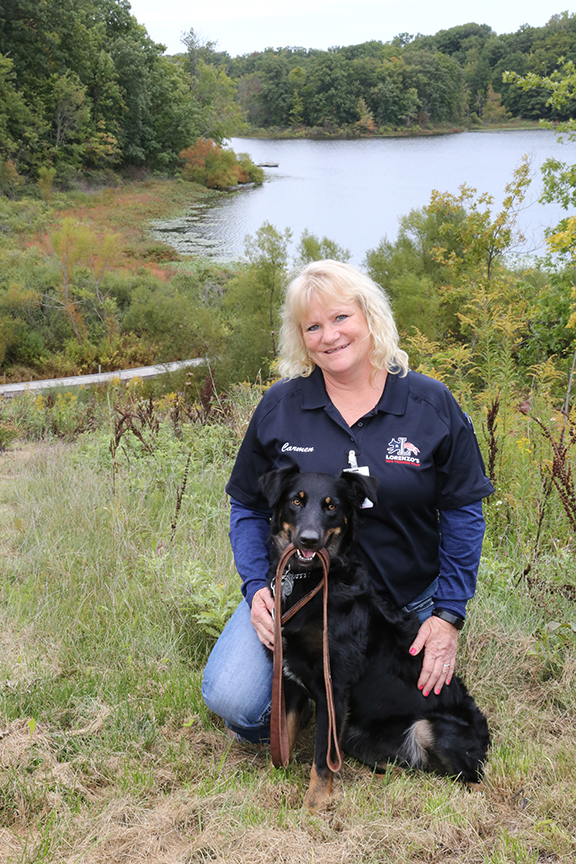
(348, 400)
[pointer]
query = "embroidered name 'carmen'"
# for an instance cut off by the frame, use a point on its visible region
(291, 448)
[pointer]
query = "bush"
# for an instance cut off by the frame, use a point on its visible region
(213, 166)
(11, 182)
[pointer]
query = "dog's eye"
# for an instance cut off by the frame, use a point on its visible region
(331, 506)
(296, 502)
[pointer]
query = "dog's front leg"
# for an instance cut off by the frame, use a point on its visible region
(321, 776)
(296, 700)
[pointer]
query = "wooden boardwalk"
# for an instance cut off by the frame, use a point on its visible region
(100, 377)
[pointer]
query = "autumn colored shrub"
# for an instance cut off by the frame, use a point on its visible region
(216, 167)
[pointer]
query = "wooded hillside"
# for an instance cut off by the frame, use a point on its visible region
(454, 76)
(83, 86)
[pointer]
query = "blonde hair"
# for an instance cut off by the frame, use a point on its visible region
(335, 282)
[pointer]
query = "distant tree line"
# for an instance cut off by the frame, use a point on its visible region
(451, 77)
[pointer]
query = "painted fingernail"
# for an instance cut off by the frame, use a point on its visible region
(412, 651)
(426, 692)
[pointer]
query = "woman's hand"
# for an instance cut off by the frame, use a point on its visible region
(261, 616)
(440, 641)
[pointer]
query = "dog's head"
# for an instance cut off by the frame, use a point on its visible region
(315, 511)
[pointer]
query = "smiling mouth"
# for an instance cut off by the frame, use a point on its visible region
(340, 348)
(305, 554)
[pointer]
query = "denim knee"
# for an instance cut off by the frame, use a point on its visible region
(237, 681)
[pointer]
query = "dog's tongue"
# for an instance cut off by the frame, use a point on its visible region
(307, 553)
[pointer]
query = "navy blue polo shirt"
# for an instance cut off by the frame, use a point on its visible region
(416, 442)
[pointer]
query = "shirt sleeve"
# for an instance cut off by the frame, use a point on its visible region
(461, 477)
(461, 535)
(251, 462)
(249, 530)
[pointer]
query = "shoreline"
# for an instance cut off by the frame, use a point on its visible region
(320, 134)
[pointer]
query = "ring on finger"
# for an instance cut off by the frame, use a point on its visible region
(447, 664)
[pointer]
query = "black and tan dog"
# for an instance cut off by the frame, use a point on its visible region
(381, 715)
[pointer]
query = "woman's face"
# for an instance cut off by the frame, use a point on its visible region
(337, 338)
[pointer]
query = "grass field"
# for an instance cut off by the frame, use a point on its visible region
(115, 576)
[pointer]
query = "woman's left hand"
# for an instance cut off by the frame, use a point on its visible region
(440, 641)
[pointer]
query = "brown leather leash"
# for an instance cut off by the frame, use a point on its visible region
(278, 726)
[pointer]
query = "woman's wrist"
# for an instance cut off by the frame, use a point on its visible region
(456, 620)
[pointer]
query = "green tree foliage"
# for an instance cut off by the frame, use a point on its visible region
(411, 276)
(312, 248)
(169, 317)
(19, 129)
(452, 76)
(494, 111)
(492, 301)
(559, 177)
(367, 85)
(252, 305)
(467, 312)
(83, 86)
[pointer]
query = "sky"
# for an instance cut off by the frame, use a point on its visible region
(326, 23)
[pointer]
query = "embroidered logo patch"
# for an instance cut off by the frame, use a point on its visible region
(401, 450)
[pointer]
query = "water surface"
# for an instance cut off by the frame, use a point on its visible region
(354, 192)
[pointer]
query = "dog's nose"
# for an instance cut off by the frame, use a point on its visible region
(309, 539)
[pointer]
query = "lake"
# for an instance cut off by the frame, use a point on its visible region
(354, 192)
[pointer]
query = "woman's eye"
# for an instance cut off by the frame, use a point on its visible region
(312, 328)
(341, 317)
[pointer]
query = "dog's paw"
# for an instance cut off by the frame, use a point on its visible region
(319, 790)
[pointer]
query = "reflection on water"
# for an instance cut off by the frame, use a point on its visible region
(354, 192)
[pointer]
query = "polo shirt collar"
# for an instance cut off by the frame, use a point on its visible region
(393, 399)
(395, 396)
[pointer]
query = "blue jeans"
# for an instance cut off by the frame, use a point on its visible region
(237, 681)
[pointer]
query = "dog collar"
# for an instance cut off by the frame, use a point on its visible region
(288, 578)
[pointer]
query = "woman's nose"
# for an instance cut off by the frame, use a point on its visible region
(331, 333)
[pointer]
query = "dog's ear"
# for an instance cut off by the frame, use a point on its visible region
(359, 487)
(274, 482)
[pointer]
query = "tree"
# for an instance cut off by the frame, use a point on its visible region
(331, 97)
(493, 305)
(559, 90)
(70, 116)
(494, 111)
(311, 248)
(413, 278)
(365, 122)
(91, 89)
(275, 90)
(197, 49)
(83, 260)
(559, 177)
(18, 128)
(297, 79)
(221, 116)
(252, 304)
